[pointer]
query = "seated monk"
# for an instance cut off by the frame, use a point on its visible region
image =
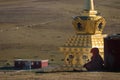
(96, 63)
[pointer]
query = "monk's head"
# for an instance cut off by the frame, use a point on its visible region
(94, 51)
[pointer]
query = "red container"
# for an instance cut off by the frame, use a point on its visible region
(112, 52)
(30, 64)
(44, 63)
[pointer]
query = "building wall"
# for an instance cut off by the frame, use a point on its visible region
(112, 53)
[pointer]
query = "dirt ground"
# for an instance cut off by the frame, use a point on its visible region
(59, 76)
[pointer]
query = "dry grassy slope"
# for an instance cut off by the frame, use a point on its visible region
(30, 28)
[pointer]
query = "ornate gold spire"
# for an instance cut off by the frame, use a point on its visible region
(89, 5)
(88, 28)
(89, 8)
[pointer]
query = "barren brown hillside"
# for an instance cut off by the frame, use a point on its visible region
(36, 28)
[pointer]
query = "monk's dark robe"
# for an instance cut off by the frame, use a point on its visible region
(96, 63)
